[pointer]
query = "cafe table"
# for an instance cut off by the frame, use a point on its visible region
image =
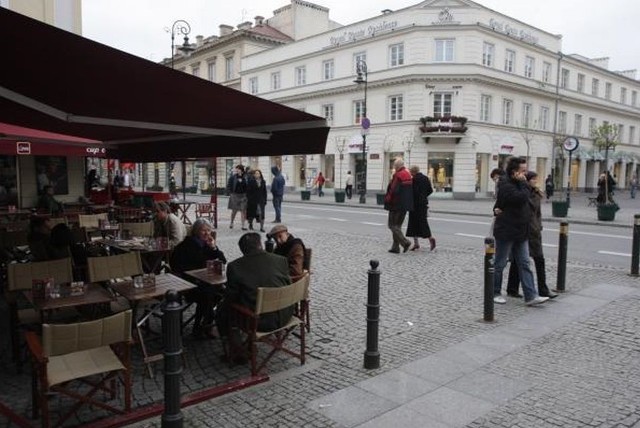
(94, 295)
(163, 283)
(182, 207)
(206, 276)
(152, 252)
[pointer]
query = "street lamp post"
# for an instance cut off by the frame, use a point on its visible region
(362, 77)
(180, 27)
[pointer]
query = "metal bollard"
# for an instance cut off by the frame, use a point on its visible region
(372, 355)
(635, 246)
(269, 244)
(172, 339)
(489, 273)
(562, 256)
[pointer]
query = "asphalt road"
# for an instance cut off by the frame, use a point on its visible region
(598, 245)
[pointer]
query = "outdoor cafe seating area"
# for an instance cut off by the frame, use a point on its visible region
(103, 304)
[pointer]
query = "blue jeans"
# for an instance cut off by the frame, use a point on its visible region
(277, 206)
(520, 252)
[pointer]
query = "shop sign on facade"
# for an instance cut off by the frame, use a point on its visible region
(506, 149)
(23, 147)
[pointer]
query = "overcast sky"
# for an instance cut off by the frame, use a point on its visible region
(589, 27)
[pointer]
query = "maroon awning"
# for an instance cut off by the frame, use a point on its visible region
(56, 81)
(18, 140)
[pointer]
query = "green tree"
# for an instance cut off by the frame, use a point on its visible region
(605, 137)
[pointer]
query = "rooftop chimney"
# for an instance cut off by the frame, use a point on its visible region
(386, 11)
(225, 29)
(245, 25)
(258, 20)
(199, 40)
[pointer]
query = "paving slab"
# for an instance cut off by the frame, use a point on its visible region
(452, 407)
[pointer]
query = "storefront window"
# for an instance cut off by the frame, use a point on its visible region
(8, 183)
(441, 171)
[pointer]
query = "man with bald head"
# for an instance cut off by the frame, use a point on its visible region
(398, 200)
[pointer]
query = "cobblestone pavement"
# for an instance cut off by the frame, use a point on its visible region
(581, 372)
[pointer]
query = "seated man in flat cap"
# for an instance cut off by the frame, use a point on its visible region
(290, 247)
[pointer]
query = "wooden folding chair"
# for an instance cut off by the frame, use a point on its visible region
(144, 229)
(207, 210)
(91, 220)
(270, 299)
(81, 352)
(20, 278)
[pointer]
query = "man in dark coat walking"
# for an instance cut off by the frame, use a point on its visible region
(513, 210)
(398, 200)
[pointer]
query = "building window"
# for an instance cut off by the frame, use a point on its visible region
(623, 95)
(564, 78)
(509, 61)
(253, 85)
(544, 118)
(358, 111)
(358, 57)
(396, 108)
(580, 82)
(526, 115)
(211, 71)
(507, 112)
(607, 91)
(485, 108)
(632, 134)
(228, 69)
(301, 75)
(634, 98)
(396, 55)
(529, 65)
(595, 87)
(328, 69)
(620, 132)
(195, 71)
(577, 125)
(327, 112)
(488, 52)
(441, 104)
(562, 122)
(444, 50)
(275, 81)
(546, 72)
(593, 124)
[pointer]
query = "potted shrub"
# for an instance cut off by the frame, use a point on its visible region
(305, 195)
(605, 137)
(339, 195)
(380, 198)
(559, 208)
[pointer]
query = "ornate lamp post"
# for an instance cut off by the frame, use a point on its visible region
(361, 70)
(180, 27)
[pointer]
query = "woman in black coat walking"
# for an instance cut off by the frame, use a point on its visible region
(256, 199)
(418, 226)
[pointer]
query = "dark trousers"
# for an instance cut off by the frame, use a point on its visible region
(396, 218)
(349, 190)
(513, 283)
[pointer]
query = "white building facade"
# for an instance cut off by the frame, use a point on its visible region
(454, 88)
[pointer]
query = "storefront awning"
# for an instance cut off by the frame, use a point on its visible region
(56, 81)
(18, 140)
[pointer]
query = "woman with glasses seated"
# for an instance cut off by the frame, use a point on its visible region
(193, 253)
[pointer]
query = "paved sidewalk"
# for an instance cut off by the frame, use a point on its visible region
(572, 362)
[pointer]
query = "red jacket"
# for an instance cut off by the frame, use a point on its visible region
(399, 195)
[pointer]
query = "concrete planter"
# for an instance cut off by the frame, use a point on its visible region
(559, 208)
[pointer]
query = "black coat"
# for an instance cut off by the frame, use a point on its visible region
(189, 255)
(418, 225)
(514, 199)
(256, 197)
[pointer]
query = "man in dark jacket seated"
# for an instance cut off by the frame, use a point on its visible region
(290, 247)
(256, 268)
(193, 253)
